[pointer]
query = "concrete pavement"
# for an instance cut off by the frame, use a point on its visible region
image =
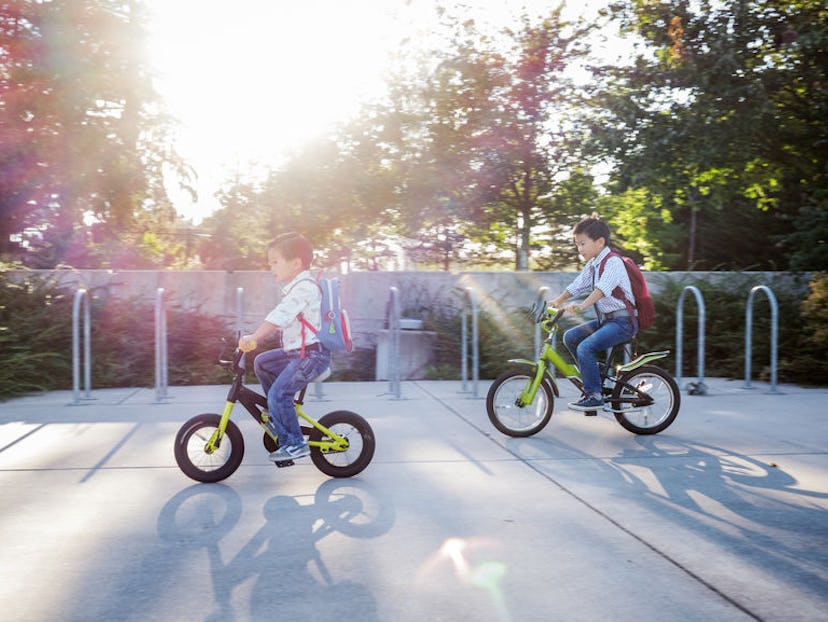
(724, 516)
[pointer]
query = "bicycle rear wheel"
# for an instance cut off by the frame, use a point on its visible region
(191, 454)
(361, 444)
(505, 412)
(652, 400)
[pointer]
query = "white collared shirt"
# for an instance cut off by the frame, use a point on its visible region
(301, 295)
(614, 275)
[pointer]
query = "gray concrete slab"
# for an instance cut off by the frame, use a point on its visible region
(720, 517)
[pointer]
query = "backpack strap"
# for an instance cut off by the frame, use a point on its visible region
(301, 316)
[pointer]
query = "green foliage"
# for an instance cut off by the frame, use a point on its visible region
(28, 333)
(123, 344)
(83, 141)
(36, 341)
(725, 303)
(502, 336)
(722, 116)
(810, 365)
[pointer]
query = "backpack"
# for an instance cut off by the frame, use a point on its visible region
(335, 331)
(643, 301)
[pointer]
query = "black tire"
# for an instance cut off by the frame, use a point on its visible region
(658, 385)
(358, 455)
(514, 420)
(197, 463)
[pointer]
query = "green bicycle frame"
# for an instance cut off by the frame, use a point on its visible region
(550, 359)
(335, 442)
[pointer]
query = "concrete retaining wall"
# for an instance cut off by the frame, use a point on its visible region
(366, 294)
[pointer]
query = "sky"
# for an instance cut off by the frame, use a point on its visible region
(251, 80)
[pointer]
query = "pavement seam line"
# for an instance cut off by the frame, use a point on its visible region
(592, 508)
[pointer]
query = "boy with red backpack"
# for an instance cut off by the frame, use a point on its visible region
(606, 283)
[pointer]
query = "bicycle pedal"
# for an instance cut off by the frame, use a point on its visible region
(284, 463)
(617, 411)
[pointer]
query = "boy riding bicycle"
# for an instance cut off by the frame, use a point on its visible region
(286, 370)
(616, 323)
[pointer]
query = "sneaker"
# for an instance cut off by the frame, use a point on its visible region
(290, 452)
(589, 402)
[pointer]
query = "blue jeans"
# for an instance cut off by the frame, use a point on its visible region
(282, 375)
(587, 341)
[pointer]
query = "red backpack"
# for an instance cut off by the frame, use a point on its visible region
(643, 301)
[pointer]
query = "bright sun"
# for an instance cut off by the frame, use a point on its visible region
(251, 80)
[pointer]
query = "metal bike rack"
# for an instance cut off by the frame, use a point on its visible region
(464, 346)
(160, 346)
(239, 310)
(394, 350)
(81, 301)
(749, 333)
(694, 388)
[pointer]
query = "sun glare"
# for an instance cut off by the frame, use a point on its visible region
(252, 80)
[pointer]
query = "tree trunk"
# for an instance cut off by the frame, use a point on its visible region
(524, 226)
(691, 242)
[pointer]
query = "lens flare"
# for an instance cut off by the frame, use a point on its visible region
(485, 575)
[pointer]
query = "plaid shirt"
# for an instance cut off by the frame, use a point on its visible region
(614, 275)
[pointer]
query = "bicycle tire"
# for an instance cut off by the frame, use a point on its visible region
(653, 418)
(199, 465)
(361, 441)
(511, 419)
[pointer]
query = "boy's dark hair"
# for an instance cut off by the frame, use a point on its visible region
(594, 228)
(293, 245)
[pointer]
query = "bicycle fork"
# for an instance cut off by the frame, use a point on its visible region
(214, 442)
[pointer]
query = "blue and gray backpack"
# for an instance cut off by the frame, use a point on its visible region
(335, 331)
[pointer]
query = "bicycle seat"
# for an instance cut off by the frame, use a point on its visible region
(323, 376)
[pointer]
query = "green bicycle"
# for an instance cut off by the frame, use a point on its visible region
(644, 398)
(210, 447)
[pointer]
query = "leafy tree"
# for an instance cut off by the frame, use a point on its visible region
(495, 143)
(473, 156)
(83, 137)
(722, 117)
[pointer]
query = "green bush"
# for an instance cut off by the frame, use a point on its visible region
(725, 302)
(503, 333)
(36, 341)
(810, 363)
(30, 331)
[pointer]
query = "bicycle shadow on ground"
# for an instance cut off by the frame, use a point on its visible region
(282, 554)
(755, 510)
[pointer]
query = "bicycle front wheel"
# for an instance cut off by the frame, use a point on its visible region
(191, 449)
(361, 444)
(651, 400)
(505, 411)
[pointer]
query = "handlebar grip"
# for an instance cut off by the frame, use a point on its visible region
(247, 345)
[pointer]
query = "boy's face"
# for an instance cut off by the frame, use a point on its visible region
(587, 247)
(284, 270)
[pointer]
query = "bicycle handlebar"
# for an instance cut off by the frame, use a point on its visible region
(549, 317)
